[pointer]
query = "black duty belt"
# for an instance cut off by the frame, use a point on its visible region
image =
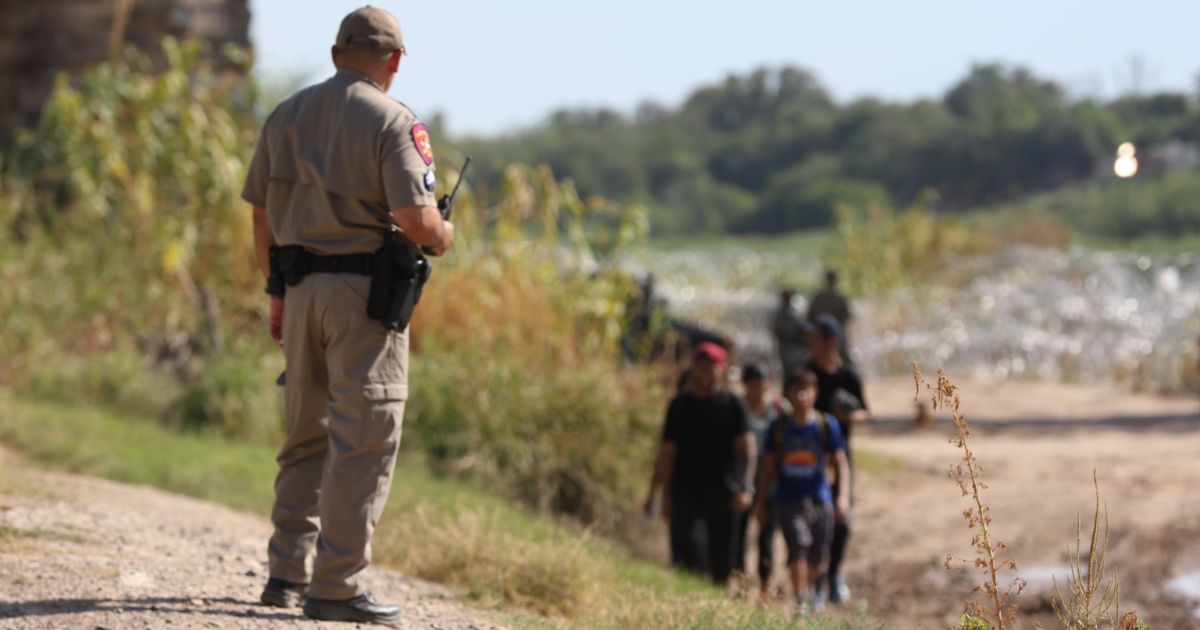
(290, 263)
(360, 264)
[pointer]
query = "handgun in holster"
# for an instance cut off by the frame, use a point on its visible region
(399, 272)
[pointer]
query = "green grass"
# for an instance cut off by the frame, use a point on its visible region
(531, 571)
(101, 443)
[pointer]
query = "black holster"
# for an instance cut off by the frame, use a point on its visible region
(398, 274)
(294, 264)
(275, 284)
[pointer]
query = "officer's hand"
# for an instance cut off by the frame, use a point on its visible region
(447, 240)
(277, 320)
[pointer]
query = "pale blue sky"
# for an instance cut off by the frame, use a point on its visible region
(494, 66)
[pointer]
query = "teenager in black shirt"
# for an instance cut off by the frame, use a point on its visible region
(840, 392)
(706, 464)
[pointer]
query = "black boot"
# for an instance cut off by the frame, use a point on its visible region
(362, 609)
(282, 594)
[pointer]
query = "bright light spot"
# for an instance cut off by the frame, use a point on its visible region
(1125, 166)
(1168, 280)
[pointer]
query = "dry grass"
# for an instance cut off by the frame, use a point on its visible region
(998, 609)
(1093, 594)
(470, 549)
(552, 577)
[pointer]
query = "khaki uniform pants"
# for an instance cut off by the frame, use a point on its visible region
(347, 381)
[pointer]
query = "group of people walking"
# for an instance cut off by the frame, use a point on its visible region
(731, 466)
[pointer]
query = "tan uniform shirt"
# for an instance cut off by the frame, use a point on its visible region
(332, 162)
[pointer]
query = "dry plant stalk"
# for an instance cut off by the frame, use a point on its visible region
(1093, 595)
(1002, 612)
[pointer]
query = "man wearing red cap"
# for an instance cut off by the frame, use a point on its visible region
(340, 167)
(705, 466)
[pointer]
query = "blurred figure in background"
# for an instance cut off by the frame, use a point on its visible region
(839, 392)
(831, 301)
(762, 408)
(705, 467)
(791, 334)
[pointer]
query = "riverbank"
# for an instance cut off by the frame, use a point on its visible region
(1039, 444)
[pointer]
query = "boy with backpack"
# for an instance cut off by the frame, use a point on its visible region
(802, 452)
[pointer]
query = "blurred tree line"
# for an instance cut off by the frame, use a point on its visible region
(771, 151)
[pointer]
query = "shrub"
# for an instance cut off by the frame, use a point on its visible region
(119, 213)
(516, 383)
(877, 248)
(232, 392)
(122, 379)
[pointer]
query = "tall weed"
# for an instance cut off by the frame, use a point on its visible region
(997, 611)
(1092, 596)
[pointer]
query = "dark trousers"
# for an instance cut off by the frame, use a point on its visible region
(841, 536)
(766, 541)
(837, 549)
(702, 535)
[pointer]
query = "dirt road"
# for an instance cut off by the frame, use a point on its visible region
(1039, 444)
(77, 552)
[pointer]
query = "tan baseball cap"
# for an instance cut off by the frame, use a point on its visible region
(370, 29)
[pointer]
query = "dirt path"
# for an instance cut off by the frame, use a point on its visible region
(1039, 444)
(77, 552)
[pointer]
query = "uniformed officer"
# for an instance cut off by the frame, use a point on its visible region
(337, 165)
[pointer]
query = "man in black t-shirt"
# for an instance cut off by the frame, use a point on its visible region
(706, 464)
(840, 392)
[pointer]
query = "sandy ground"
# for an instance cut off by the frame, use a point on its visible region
(1038, 444)
(77, 552)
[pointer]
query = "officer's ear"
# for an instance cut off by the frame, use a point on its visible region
(393, 63)
(333, 54)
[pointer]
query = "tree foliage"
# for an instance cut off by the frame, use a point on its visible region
(770, 150)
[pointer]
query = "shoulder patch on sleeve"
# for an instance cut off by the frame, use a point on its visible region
(420, 138)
